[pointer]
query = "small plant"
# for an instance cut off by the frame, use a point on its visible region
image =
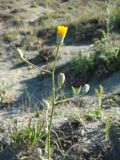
(76, 91)
(29, 135)
(82, 64)
(99, 93)
(34, 5)
(61, 33)
(107, 52)
(107, 55)
(108, 18)
(15, 136)
(93, 114)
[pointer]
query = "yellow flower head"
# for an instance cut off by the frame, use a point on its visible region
(61, 31)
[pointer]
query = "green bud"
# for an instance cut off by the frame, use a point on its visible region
(85, 88)
(60, 80)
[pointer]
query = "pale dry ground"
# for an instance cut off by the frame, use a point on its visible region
(24, 79)
(21, 79)
(17, 79)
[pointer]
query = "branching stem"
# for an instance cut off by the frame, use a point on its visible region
(53, 102)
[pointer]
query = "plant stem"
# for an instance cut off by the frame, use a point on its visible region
(68, 99)
(40, 68)
(53, 102)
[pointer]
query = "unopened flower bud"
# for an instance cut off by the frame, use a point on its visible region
(60, 80)
(85, 88)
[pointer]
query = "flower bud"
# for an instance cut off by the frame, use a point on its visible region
(60, 80)
(85, 88)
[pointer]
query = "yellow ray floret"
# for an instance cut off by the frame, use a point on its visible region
(61, 31)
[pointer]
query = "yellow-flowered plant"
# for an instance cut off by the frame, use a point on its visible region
(61, 33)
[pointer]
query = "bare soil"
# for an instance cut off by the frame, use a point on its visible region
(24, 87)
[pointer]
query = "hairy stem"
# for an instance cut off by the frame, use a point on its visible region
(40, 68)
(68, 99)
(53, 102)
